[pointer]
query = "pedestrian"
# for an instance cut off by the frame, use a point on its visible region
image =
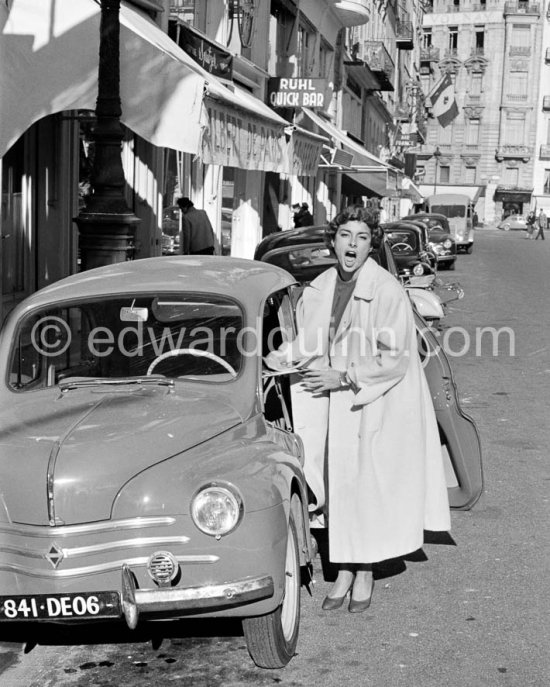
(530, 222)
(369, 412)
(302, 215)
(197, 233)
(543, 224)
(475, 219)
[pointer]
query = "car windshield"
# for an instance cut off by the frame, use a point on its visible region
(450, 211)
(196, 336)
(402, 241)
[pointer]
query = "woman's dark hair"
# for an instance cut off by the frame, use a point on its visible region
(357, 213)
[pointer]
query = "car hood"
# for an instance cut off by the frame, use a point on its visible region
(83, 446)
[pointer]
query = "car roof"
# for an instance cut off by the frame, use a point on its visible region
(246, 280)
(291, 237)
(400, 225)
(429, 215)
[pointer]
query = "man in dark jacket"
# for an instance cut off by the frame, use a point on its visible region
(302, 215)
(197, 232)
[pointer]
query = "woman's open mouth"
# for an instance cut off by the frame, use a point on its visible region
(350, 256)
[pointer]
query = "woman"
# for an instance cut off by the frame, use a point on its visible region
(365, 404)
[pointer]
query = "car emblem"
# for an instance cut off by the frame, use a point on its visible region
(54, 556)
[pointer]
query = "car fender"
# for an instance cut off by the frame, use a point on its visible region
(427, 303)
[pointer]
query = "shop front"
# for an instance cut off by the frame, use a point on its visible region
(512, 201)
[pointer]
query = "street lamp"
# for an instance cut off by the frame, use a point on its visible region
(437, 155)
(107, 225)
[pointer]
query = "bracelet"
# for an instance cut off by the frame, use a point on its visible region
(344, 381)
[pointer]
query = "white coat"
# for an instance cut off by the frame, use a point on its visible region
(384, 469)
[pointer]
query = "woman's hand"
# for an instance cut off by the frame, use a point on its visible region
(322, 380)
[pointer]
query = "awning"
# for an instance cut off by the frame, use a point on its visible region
(49, 57)
(304, 151)
(410, 190)
(381, 184)
(361, 156)
(513, 194)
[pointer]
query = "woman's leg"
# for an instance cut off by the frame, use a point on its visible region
(363, 583)
(343, 582)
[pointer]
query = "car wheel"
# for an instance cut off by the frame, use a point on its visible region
(470, 248)
(451, 265)
(506, 227)
(271, 639)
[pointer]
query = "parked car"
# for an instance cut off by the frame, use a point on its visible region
(170, 230)
(410, 247)
(440, 238)
(303, 253)
(227, 218)
(513, 222)
(148, 464)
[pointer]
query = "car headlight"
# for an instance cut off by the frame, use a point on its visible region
(418, 270)
(216, 509)
(437, 247)
(447, 243)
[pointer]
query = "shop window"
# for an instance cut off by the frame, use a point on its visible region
(546, 185)
(444, 174)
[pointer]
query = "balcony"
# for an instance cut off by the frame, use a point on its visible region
(546, 103)
(430, 54)
(478, 8)
(404, 34)
(521, 7)
(451, 52)
(513, 152)
(380, 63)
(544, 152)
(520, 50)
(352, 12)
(517, 97)
(477, 52)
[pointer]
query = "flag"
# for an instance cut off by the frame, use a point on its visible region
(443, 101)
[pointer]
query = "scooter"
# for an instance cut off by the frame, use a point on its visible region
(431, 305)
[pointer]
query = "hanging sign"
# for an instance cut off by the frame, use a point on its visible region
(210, 56)
(297, 92)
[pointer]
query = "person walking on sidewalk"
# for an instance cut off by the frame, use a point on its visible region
(543, 224)
(531, 219)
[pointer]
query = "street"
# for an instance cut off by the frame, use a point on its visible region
(472, 609)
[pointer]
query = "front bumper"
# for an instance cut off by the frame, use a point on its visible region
(178, 600)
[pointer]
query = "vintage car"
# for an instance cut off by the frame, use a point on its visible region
(440, 238)
(304, 254)
(513, 222)
(148, 465)
(410, 247)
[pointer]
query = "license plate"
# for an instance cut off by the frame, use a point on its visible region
(60, 606)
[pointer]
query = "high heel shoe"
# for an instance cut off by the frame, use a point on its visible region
(331, 604)
(360, 606)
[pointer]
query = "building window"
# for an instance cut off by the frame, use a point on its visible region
(515, 129)
(479, 40)
(511, 176)
(521, 36)
(469, 175)
(453, 39)
(546, 187)
(444, 174)
(476, 83)
(472, 132)
(426, 38)
(304, 50)
(326, 56)
(517, 84)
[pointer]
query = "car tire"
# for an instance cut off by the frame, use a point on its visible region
(506, 227)
(470, 249)
(451, 265)
(271, 639)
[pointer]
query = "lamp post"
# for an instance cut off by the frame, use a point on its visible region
(106, 224)
(437, 155)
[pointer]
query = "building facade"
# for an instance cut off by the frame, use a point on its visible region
(492, 51)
